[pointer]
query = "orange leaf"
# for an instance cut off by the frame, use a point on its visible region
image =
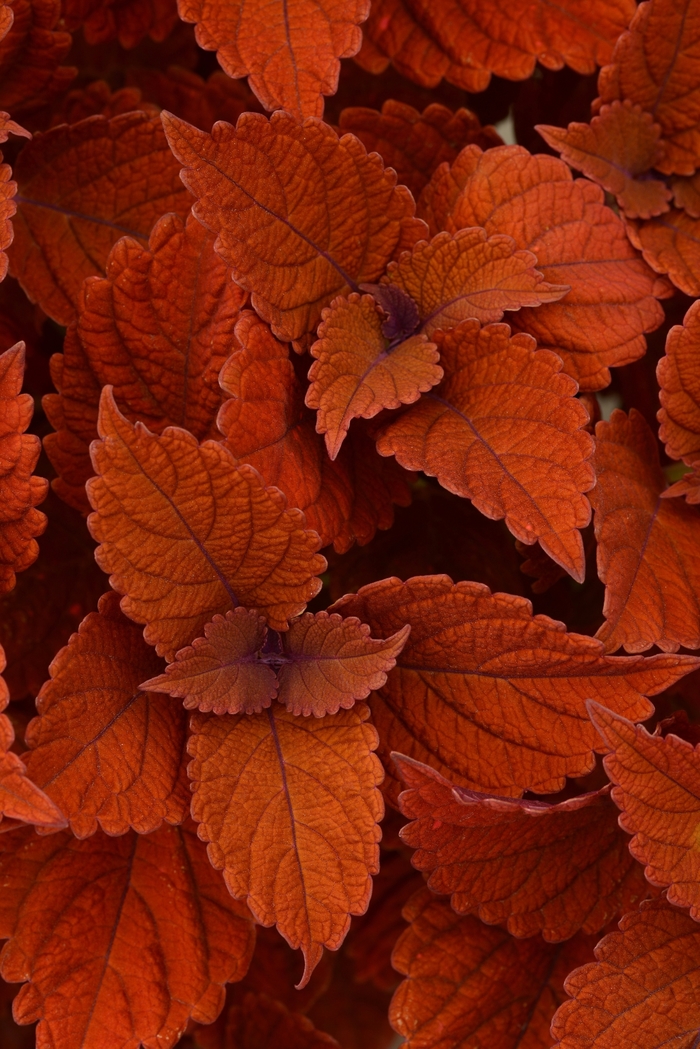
(471, 985)
(648, 546)
(20, 490)
(467, 40)
(677, 373)
(358, 372)
(689, 486)
(470, 275)
(186, 534)
(267, 425)
(288, 52)
(655, 66)
(80, 189)
(31, 53)
(20, 798)
(290, 806)
(533, 867)
(127, 21)
(619, 144)
(669, 244)
(415, 144)
(104, 750)
(686, 194)
(122, 939)
(10, 127)
(577, 240)
(221, 672)
(491, 696)
(261, 1022)
(328, 662)
(658, 792)
(641, 990)
(504, 430)
(300, 215)
(158, 328)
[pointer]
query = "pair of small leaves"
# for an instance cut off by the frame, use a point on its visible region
(321, 664)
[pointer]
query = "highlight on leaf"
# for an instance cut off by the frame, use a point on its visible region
(470, 275)
(290, 53)
(491, 696)
(648, 545)
(294, 251)
(621, 143)
(186, 534)
(504, 430)
(103, 749)
(658, 792)
(101, 924)
(644, 979)
(577, 241)
(267, 425)
(357, 371)
(534, 867)
(290, 807)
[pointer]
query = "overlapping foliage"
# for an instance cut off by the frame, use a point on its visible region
(366, 532)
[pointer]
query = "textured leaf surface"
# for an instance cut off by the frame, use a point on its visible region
(669, 244)
(658, 791)
(642, 986)
(20, 490)
(619, 144)
(104, 750)
(504, 430)
(221, 672)
(122, 939)
(357, 372)
(329, 662)
(533, 867)
(186, 534)
(415, 144)
(655, 66)
(577, 240)
(289, 52)
(290, 806)
(470, 275)
(489, 695)
(261, 1022)
(300, 215)
(648, 546)
(267, 425)
(686, 194)
(471, 985)
(8, 208)
(127, 21)
(31, 54)
(80, 189)
(467, 40)
(679, 378)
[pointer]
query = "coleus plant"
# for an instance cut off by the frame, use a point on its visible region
(327, 695)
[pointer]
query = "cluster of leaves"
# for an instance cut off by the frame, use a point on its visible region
(343, 586)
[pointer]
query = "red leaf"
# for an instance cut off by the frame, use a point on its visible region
(289, 53)
(577, 240)
(669, 244)
(219, 537)
(199, 102)
(127, 21)
(643, 984)
(415, 144)
(358, 372)
(648, 546)
(491, 696)
(533, 867)
(259, 1022)
(468, 984)
(290, 806)
(619, 144)
(20, 490)
(80, 189)
(680, 400)
(97, 99)
(504, 430)
(104, 750)
(98, 928)
(267, 425)
(31, 54)
(658, 792)
(294, 251)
